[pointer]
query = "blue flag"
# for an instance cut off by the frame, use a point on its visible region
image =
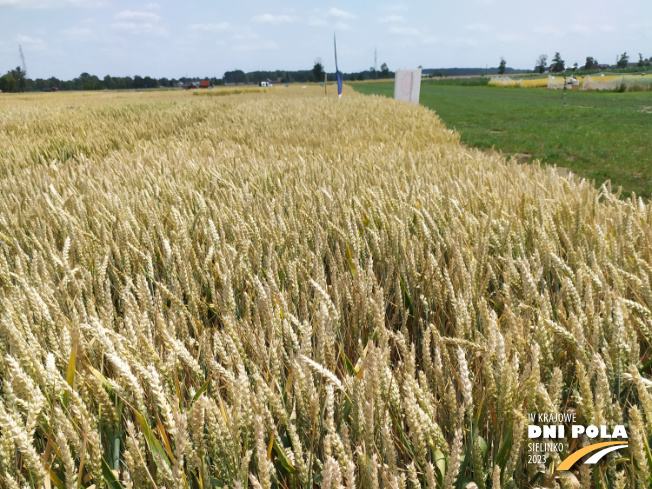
(339, 83)
(337, 71)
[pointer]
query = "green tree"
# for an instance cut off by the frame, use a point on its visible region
(8, 83)
(384, 71)
(558, 65)
(150, 82)
(622, 62)
(541, 63)
(318, 70)
(40, 84)
(590, 62)
(501, 67)
(641, 61)
(139, 82)
(109, 82)
(54, 82)
(88, 82)
(127, 82)
(236, 76)
(21, 78)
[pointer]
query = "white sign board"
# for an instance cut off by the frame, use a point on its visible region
(407, 85)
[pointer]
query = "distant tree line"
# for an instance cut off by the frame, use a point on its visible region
(16, 80)
(558, 65)
(282, 76)
(303, 76)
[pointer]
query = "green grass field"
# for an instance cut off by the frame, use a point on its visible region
(600, 136)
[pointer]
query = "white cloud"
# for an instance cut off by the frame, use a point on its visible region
(396, 7)
(407, 43)
(509, 37)
(340, 14)
(405, 31)
(272, 19)
(44, 4)
(581, 29)
(31, 43)
(140, 28)
(139, 23)
(259, 46)
(28, 39)
(334, 18)
(24, 38)
(133, 16)
(641, 25)
(78, 33)
(391, 19)
(414, 37)
(547, 29)
(219, 27)
(477, 27)
(244, 35)
(465, 41)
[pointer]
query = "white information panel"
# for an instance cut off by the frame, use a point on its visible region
(407, 85)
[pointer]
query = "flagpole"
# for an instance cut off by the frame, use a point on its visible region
(337, 70)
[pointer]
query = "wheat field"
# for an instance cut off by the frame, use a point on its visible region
(281, 290)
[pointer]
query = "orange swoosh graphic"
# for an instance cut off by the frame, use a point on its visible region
(575, 456)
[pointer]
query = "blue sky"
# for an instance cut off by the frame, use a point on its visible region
(199, 38)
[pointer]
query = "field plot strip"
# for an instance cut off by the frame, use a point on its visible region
(599, 136)
(283, 290)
